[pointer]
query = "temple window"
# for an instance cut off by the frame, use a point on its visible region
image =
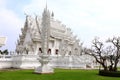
(40, 50)
(70, 53)
(56, 51)
(76, 50)
(49, 51)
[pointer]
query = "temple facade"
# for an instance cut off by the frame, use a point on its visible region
(45, 35)
(60, 40)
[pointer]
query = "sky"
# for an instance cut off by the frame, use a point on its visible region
(86, 18)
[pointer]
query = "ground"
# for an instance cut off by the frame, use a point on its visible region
(60, 74)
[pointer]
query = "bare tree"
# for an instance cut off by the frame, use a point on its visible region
(115, 56)
(97, 52)
(109, 56)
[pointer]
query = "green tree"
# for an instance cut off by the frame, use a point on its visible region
(4, 51)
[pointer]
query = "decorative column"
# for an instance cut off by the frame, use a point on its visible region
(45, 35)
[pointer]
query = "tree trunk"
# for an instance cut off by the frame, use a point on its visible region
(115, 66)
(105, 67)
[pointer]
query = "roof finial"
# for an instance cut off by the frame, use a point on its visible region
(46, 4)
(25, 14)
(52, 14)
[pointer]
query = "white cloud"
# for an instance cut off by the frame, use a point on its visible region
(2, 3)
(10, 25)
(10, 17)
(34, 7)
(87, 18)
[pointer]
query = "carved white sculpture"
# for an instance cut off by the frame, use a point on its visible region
(44, 58)
(63, 47)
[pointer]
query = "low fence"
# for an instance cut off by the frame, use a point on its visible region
(5, 61)
(30, 61)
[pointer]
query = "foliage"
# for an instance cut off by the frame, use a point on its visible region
(108, 56)
(109, 73)
(4, 52)
(60, 74)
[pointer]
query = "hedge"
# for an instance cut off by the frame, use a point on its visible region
(109, 73)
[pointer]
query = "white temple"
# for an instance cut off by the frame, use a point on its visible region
(61, 41)
(45, 35)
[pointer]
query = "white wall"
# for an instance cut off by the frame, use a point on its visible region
(5, 61)
(30, 61)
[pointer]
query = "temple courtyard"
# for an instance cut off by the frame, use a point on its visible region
(47, 49)
(60, 74)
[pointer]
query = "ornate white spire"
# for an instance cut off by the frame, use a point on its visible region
(45, 30)
(37, 23)
(26, 25)
(46, 5)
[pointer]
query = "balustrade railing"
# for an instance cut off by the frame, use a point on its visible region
(56, 61)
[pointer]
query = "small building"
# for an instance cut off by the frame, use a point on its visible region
(2, 41)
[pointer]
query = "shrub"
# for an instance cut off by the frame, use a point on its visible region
(109, 73)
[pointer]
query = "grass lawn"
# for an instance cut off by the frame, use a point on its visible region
(60, 74)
